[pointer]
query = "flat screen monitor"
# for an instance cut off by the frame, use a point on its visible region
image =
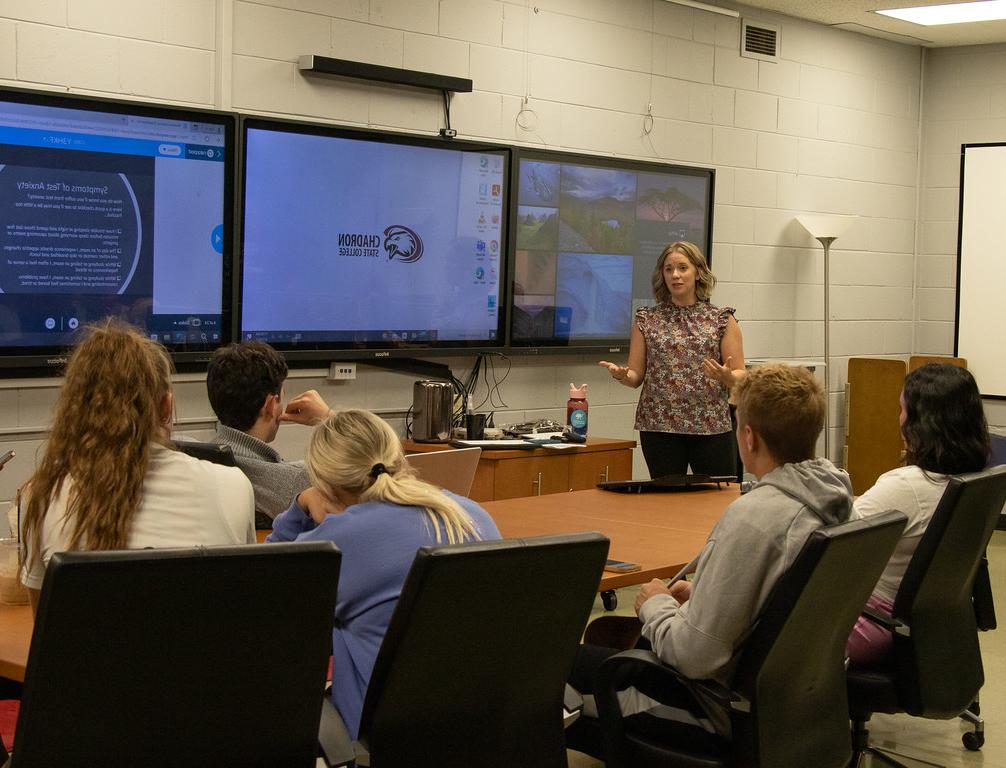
(365, 244)
(585, 236)
(112, 209)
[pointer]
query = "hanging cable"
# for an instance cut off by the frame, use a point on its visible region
(448, 132)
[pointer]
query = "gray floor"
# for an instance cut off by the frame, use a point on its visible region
(928, 740)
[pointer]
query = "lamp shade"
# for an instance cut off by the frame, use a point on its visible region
(825, 225)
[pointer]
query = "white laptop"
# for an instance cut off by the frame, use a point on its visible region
(452, 469)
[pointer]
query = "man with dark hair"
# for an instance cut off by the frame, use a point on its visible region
(245, 386)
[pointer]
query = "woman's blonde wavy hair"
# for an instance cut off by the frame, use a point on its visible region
(346, 447)
(705, 280)
(107, 415)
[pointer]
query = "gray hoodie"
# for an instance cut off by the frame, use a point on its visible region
(751, 546)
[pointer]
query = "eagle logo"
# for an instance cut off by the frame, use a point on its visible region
(402, 243)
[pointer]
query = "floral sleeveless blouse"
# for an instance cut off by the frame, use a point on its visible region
(677, 396)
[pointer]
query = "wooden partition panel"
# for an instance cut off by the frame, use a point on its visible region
(872, 428)
(917, 361)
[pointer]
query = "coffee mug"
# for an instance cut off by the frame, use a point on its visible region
(475, 426)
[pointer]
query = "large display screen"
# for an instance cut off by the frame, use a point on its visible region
(108, 208)
(586, 233)
(369, 243)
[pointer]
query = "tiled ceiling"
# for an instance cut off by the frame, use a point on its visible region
(859, 16)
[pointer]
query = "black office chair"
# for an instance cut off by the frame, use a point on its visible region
(787, 707)
(196, 657)
(936, 665)
(472, 672)
(215, 452)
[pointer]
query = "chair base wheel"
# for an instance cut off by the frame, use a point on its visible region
(973, 741)
(609, 599)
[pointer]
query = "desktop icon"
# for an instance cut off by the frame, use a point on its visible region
(480, 273)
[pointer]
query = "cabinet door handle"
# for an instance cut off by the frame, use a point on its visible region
(537, 484)
(604, 475)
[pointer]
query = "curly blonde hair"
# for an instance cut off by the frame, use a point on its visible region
(705, 280)
(343, 452)
(107, 415)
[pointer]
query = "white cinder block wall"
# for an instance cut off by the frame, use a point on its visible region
(964, 103)
(831, 127)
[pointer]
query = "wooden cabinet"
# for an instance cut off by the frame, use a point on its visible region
(586, 470)
(529, 476)
(510, 474)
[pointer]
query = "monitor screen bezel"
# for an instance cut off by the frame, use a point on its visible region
(50, 360)
(587, 345)
(325, 352)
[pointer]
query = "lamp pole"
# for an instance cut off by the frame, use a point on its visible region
(826, 242)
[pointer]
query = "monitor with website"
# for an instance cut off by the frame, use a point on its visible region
(109, 208)
(370, 244)
(585, 235)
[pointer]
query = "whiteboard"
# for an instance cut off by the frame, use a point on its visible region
(981, 266)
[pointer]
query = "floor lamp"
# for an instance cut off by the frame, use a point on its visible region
(826, 229)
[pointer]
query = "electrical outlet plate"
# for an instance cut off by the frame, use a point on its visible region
(341, 371)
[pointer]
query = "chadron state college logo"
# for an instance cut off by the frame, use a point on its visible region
(402, 243)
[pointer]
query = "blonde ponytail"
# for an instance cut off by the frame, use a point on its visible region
(360, 453)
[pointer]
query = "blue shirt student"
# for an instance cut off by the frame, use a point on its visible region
(379, 541)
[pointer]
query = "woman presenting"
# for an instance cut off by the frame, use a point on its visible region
(687, 354)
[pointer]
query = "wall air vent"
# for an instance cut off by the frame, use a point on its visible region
(759, 41)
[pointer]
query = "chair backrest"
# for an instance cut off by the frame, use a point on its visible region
(473, 667)
(452, 469)
(215, 452)
(195, 657)
(939, 666)
(792, 668)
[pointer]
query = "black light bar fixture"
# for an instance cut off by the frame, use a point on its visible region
(323, 65)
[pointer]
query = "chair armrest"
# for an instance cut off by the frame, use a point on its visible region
(571, 699)
(333, 738)
(723, 696)
(617, 673)
(572, 706)
(615, 670)
(887, 622)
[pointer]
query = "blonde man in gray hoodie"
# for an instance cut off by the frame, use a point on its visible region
(699, 626)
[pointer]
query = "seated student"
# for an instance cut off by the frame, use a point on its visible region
(245, 386)
(109, 478)
(367, 499)
(698, 627)
(945, 433)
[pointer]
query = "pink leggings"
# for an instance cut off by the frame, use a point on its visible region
(869, 644)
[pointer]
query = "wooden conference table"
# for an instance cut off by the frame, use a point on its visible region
(660, 531)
